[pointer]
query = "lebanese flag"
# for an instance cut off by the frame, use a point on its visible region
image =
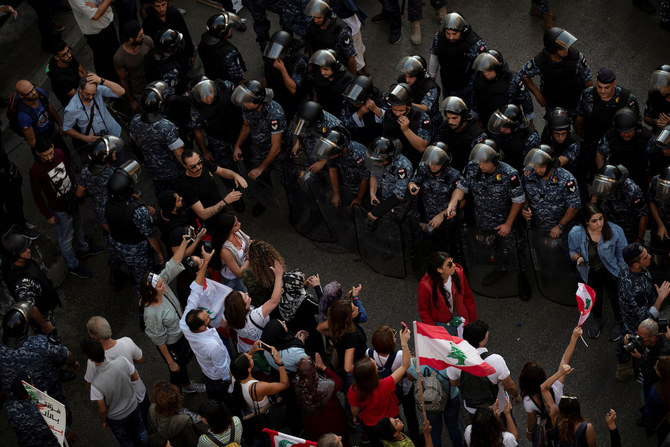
(279, 439)
(586, 296)
(439, 350)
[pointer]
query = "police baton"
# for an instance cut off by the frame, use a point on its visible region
(242, 169)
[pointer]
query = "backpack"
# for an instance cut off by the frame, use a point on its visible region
(17, 105)
(478, 390)
(386, 370)
(547, 435)
(435, 398)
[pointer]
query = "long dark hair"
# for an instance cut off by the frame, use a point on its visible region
(235, 310)
(239, 369)
(340, 318)
(531, 378)
(147, 291)
(588, 211)
(487, 429)
(366, 378)
(224, 225)
(570, 414)
(436, 261)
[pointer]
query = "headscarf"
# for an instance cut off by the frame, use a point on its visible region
(313, 392)
(331, 292)
(275, 335)
(293, 294)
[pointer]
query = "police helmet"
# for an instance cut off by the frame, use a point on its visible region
(218, 25)
(325, 58)
(559, 119)
(122, 182)
(454, 22)
(279, 45)
(509, 116)
(538, 157)
(663, 185)
(358, 91)
(381, 150)
(414, 66)
(103, 149)
(488, 61)
(204, 91)
(308, 116)
(153, 101)
(662, 140)
(318, 7)
(331, 142)
(660, 78)
(455, 106)
(607, 180)
(400, 95)
(251, 91)
(556, 39)
(625, 120)
(168, 43)
(15, 324)
(15, 242)
(436, 155)
(485, 152)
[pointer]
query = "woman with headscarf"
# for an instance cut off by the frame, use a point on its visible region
(296, 307)
(316, 388)
(290, 347)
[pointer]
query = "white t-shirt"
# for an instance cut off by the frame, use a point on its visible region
(250, 332)
(97, 395)
(530, 406)
(508, 438)
(450, 300)
(225, 270)
(502, 372)
(127, 349)
(381, 360)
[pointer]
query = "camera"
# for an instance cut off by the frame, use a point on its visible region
(189, 262)
(635, 342)
(207, 245)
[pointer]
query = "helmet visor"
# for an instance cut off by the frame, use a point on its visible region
(536, 158)
(354, 94)
(375, 162)
(659, 79)
(663, 190)
(203, 90)
(662, 140)
(485, 62)
(322, 58)
(274, 50)
(434, 156)
(603, 186)
(324, 149)
(301, 127)
(565, 40)
(132, 168)
(482, 153)
(410, 66)
(241, 95)
(498, 121)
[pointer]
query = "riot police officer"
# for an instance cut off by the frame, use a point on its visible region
(330, 81)
(131, 229)
(285, 72)
(657, 109)
(94, 176)
(390, 172)
(425, 91)
(495, 85)
(627, 144)
(165, 62)
(659, 206)
(563, 71)
(157, 138)
(361, 100)
(659, 152)
(409, 124)
(498, 198)
(454, 49)
(326, 30)
(621, 200)
(513, 133)
(310, 123)
(552, 194)
(214, 113)
(565, 143)
(459, 131)
(265, 122)
(220, 58)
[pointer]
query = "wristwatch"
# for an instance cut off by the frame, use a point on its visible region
(561, 227)
(102, 81)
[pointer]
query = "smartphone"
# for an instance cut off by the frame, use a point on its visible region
(190, 231)
(265, 347)
(404, 326)
(207, 245)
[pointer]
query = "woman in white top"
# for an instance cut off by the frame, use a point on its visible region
(531, 378)
(487, 429)
(232, 244)
(247, 320)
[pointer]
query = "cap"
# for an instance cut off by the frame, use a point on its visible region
(631, 252)
(606, 76)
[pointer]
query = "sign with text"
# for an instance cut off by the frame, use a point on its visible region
(52, 411)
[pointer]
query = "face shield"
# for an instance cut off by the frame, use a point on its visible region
(324, 149)
(497, 121)
(242, 95)
(565, 40)
(204, 92)
(355, 95)
(133, 169)
(435, 157)
(663, 190)
(536, 158)
(659, 79)
(275, 50)
(662, 140)
(485, 62)
(603, 186)
(483, 153)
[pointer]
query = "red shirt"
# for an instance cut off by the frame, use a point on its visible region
(382, 402)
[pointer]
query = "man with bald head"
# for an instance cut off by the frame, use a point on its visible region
(37, 117)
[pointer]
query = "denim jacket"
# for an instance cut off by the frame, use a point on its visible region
(609, 251)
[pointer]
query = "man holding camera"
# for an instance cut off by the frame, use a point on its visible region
(639, 298)
(646, 347)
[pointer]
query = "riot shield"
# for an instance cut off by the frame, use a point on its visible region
(339, 219)
(660, 265)
(259, 189)
(491, 262)
(380, 243)
(556, 276)
(304, 212)
(425, 240)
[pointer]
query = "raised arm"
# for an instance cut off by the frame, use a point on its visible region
(273, 302)
(406, 355)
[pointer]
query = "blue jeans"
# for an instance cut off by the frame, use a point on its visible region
(235, 284)
(131, 430)
(70, 232)
(450, 416)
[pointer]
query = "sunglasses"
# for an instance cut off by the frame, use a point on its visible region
(195, 166)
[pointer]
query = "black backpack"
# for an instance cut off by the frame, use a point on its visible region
(386, 370)
(478, 390)
(547, 434)
(17, 105)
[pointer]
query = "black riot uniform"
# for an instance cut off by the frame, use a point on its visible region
(220, 58)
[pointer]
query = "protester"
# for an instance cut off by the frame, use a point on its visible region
(232, 244)
(166, 416)
(224, 428)
(291, 348)
(487, 429)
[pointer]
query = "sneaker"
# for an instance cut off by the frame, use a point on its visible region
(379, 18)
(395, 38)
(81, 272)
(92, 251)
(594, 329)
(258, 209)
(416, 40)
(192, 414)
(615, 332)
(193, 388)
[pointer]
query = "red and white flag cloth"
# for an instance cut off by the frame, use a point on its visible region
(439, 350)
(279, 439)
(586, 296)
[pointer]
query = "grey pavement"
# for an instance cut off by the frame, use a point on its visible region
(611, 34)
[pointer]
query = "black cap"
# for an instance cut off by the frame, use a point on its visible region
(631, 252)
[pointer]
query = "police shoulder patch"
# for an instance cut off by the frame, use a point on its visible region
(402, 173)
(274, 124)
(572, 187)
(359, 161)
(514, 181)
(482, 48)
(426, 122)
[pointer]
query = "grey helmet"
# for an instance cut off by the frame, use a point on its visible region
(559, 119)
(153, 101)
(625, 120)
(660, 78)
(663, 185)
(485, 152)
(279, 46)
(400, 95)
(331, 143)
(104, 148)
(454, 21)
(510, 116)
(542, 156)
(556, 39)
(380, 151)
(218, 25)
(415, 66)
(326, 58)
(15, 324)
(122, 182)
(455, 106)
(489, 60)
(359, 90)
(15, 242)
(436, 155)
(607, 180)
(318, 7)
(251, 91)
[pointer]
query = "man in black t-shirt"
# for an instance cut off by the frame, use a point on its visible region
(199, 190)
(64, 71)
